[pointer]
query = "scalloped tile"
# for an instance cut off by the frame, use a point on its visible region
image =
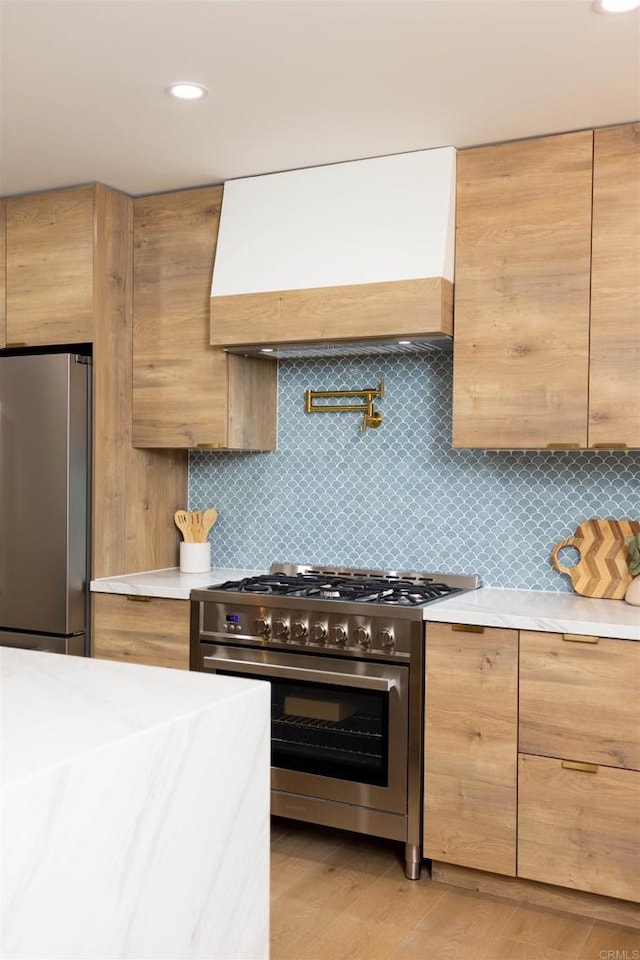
(400, 497)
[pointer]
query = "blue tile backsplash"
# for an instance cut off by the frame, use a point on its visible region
(400, 497)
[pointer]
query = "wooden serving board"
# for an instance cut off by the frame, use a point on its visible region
(603, 569)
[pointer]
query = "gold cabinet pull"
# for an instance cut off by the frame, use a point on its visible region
(579, 638)
(15, 344)
(563, 446)
(609, 446)
(577, 765)
(467, 628)
(208, 446)
(138, 598)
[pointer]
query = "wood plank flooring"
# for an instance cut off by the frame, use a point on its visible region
(341, 896)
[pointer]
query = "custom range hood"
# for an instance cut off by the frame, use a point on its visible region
(350, 258)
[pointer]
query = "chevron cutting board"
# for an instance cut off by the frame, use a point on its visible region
(602, 570)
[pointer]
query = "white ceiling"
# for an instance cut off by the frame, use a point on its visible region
(293, 83)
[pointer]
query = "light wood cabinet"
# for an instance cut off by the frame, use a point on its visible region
(580, 698)
(547, 292)
(521, 307)
(146, 630)
(614, 413)
(51, 267)
(470, 756)
(579, 828)
(3, 284)
(185, 392)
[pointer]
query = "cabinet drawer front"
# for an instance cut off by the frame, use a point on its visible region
(578, 828)
(580, 700)
(470, 747)
(154, 633)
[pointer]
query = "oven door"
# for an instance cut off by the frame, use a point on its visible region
(339, 727)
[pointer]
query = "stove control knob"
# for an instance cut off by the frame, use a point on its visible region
(280, 628)
(387, 639)
(262, 627)
(319, 632)
(363, 637)
(339, 634)
(299, 630)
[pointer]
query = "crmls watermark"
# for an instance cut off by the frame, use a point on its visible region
(626, 954)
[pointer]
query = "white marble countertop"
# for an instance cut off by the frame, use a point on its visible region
(539, 610)
(54, 708)
(169, 583)
(488, 606)
(134, 804)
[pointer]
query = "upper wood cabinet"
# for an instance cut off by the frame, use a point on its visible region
(547, 339)
(52, 248)
(471, 742)
(3, 286)
(614, 412)
(521, 334)
(185, 392)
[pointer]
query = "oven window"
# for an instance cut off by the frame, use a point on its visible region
(329, 731)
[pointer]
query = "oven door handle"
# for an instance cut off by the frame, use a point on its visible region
(384, 684)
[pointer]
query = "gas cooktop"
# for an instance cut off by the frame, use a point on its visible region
(406, 589)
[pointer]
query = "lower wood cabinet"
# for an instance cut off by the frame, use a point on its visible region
(532, 756)
(579, 826)
(148, 630)
(471, 719)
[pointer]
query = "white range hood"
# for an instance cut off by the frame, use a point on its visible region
(361, 250)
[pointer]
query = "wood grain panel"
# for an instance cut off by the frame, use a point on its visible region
(155, 632)
(253, 403)
(397, 308)
(3, 274)
(135, 492)
(580, 700)
(539, 894)
(177, 376)
(186, 393)
(471, 747)
(577, 829)
(522, 293)
(614, 411)
(50, 267)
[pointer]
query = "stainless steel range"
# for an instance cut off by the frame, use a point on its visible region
(343, 650)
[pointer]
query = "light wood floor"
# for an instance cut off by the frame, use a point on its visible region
(339, 896)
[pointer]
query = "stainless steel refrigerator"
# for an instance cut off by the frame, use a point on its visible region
(44, 501)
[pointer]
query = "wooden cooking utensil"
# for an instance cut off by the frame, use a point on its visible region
(603, 569)
(195, 523)
(181, 520)
(208, 520)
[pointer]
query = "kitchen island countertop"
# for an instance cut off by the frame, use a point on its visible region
(134, 805)
(539, 610)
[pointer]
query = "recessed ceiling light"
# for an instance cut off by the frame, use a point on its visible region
(615, 6)
(187, 91)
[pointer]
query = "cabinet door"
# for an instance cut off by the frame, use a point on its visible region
(614, 414)
(3, 276)
(521, 333)
(471, 746)
(579, 827)
(50, 245)
(155, 632)
(580, 700)
(186, 393)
